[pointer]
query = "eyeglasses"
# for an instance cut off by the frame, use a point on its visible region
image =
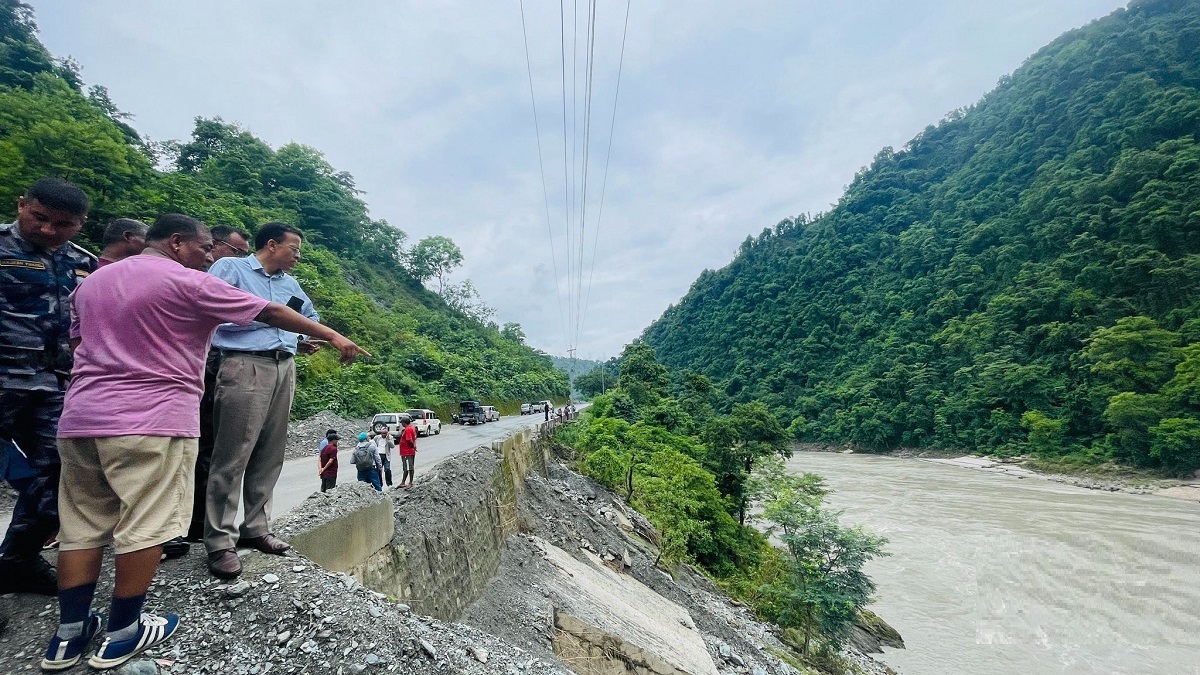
(235, 249)
(295, 249)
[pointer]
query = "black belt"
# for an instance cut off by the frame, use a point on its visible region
(273, 354)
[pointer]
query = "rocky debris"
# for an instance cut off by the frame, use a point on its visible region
(304, 435)
(321, 507)
(142, 667)
(306, 622)
(582, 517)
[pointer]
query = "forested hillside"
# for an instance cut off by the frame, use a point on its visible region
(361, 276)
(1022, 277)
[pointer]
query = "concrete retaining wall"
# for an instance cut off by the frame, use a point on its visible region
(341, 544)
(450, 530)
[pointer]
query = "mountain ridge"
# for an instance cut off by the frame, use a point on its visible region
(983, 287)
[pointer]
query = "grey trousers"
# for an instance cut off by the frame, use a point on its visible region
(253, 401)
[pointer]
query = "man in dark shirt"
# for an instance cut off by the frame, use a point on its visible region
(39, 268)
(327, 466)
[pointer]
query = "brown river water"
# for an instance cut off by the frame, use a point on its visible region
(994, 575)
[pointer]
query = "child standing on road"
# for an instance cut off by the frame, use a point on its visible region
(408, 451)
(328, 464)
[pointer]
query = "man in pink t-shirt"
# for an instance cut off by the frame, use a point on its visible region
(129, 426)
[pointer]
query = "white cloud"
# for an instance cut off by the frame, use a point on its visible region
(731, 117)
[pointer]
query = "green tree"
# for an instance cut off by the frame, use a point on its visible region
(642, 376)
(1038, 251)
(1175, 444)
(435, 257)
(1133, 355)
(735, 442)
(825, 585)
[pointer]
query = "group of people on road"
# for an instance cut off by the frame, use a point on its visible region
(144, 398)
(372, 456)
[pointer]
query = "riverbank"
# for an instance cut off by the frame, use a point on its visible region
(995, 574)
(1105, 477)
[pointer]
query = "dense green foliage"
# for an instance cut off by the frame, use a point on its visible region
(822, 587)
(1022, 277)
(597, 379)
(364, 282)
(694, 472)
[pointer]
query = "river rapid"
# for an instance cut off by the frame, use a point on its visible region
(995, 575)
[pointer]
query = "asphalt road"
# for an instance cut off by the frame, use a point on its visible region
(299, 478)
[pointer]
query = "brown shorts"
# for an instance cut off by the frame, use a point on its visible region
(133, 492)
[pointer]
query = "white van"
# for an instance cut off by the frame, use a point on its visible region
(425, 420)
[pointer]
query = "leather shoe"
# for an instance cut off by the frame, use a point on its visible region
(224, 564)
(268, 543)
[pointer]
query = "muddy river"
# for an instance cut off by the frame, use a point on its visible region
(995, 575)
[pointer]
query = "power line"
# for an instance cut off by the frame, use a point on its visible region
(571, 223)
(542, 169)
(590, 70)
(607, 156)
(577, 170)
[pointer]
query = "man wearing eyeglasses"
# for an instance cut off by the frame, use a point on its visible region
(227, 242)
(254, 388)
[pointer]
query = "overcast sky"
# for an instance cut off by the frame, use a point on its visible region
(731, 116)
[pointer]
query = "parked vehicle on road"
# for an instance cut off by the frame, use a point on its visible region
(490, 414)
(470, 412)
(389, 422)
(539, 407)
(526, 408)
(425, 420)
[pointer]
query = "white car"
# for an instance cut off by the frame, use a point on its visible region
(490, 414)
(389, 422)
(425, 420)
(526, 408)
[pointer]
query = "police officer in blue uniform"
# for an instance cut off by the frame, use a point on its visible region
(39, 267)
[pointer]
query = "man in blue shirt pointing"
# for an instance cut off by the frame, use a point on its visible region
(254, 388)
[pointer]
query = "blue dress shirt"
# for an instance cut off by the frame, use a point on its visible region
(248, 274)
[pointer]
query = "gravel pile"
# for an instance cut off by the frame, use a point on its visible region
(320, 507)
(284, 615)
(304, 435)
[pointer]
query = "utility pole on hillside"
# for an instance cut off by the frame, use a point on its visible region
(571, 386)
